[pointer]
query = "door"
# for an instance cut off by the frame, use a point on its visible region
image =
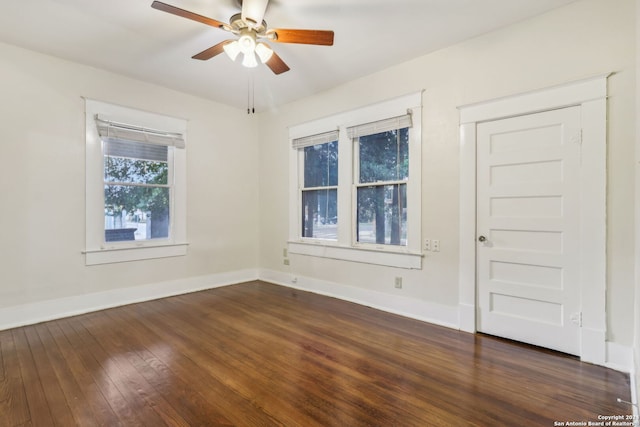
(528, 227)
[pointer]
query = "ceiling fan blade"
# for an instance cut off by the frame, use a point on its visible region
(212, 51)
(186, 14)
(276, 64)
(318, 37)
(253, 11)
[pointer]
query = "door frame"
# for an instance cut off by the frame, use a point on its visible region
(591, 95)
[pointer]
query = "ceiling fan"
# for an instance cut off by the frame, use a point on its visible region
(250, 28)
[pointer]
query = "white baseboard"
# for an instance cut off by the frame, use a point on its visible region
(42, 311)
(408, 307)
(619, 357)
(467, 319)
(593, 347)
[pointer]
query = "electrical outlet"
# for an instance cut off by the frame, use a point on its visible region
(398, 283)
(427, 245)
(435, 245)
(286, 261)
(285, 252)
(294, 279)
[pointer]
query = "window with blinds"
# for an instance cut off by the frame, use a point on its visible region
(135, 184)
(382, 172)
(138, 168)
(356, 184)
(319, 190)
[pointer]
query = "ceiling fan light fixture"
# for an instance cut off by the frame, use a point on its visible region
(264, 52)
(232, 49)
(249, 60)
(247, 42)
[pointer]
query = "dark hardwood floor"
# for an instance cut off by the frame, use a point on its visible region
(257, 354)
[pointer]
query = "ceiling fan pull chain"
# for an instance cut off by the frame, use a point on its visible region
(248, 94)
(253, 93)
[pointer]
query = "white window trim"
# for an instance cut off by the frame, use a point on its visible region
(345, 248)
(97, 251)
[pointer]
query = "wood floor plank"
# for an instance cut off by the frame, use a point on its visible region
(57, 403)
(318, 405)
(66, 377)
(257, 354)
(146, 356)
(55, 375)
(86, 382)
(228, 364)
(14, 409)
(39, 409)
(4, 335)
(133, 387)
(355, 371)
(126, 412)
(178, 378)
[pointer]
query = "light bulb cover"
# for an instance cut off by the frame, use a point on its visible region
(249, 60)
(264, 52)
(247, 42)
(232, 49)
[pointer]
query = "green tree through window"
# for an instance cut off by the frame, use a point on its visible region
(136, 190)
(383, 161)
(320, 192)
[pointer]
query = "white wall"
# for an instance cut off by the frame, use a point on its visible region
(580, 40)
(636, 323)
(42, 182)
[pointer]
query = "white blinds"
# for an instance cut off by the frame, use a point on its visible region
(123, 132)
(380, 126)
(135, 150)
(385, 125)
(321, 138)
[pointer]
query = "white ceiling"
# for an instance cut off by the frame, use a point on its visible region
(131, 38)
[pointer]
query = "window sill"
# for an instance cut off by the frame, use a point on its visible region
(386, 257)
(134, 253)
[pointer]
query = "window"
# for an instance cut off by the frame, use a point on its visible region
(319, 190)
(356, 191)
(382, 171)
(135, 185)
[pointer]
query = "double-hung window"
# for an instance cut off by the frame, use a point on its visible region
(135, 184)
(381, 176)
(355, 191)
(319, 190)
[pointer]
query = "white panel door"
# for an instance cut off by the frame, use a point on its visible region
(528, 222)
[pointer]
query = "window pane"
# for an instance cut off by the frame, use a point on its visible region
(321, 165)
(120, 169)
(382, 214)
(135, 213)
(320, 214)
(384, 156)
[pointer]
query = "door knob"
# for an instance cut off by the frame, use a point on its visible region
(482, 239)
